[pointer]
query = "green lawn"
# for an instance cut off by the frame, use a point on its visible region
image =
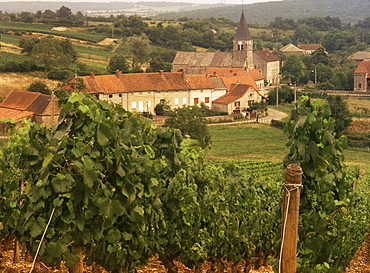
(263, 142)
(247, 142)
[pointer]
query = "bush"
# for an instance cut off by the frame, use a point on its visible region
(60, 75)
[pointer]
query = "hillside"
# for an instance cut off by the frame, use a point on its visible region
(106, 8)
(264, 13)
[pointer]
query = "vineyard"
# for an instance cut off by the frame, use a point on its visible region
(108, 184)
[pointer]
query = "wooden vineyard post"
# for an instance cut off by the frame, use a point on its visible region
(290, 211)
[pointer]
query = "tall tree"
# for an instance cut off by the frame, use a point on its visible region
(293, 68)
(139, 48)
(118, 62)
(341, 114)
(190, 121)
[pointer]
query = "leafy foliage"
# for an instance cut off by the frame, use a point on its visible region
(190, 121)
(329, 206)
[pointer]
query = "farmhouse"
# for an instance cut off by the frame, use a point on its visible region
(142, 92)
(268, 65)
(239, 98)
(362, 77)
(20, 105)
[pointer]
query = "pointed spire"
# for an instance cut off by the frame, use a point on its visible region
(242, 33)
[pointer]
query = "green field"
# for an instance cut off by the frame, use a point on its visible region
(263, 142)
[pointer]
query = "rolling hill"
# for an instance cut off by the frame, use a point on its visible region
(263, 13)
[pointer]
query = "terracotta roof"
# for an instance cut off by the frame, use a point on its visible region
(140, 82)
(39, 105)
(242, 32)
(225, 71)
(266, 55)
(363, 68)
(246, 79)
(13, 114)
(237, 92)
(255, 74)
(19, 100)
(203, 59)
(200, 82)
(309, 46)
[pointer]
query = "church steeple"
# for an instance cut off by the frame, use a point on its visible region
(242, 32)
(243, 45)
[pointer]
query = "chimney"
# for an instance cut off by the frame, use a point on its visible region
(183, 75)
(92, 75)
(214, 74)
(118, 74)
(161, 72)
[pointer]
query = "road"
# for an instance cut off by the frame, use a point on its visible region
(271, 114)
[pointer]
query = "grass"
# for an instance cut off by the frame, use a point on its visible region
(247, 142)
(265, 143)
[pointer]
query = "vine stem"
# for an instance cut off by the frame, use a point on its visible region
(42, 238)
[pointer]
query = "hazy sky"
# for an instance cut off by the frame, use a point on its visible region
(189, 1)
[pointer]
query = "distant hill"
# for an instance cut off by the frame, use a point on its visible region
(260, 13)
(106, 8)
(263, 13)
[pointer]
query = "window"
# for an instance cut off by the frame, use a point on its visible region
(141, 106)
(240, 45)
(206, 99)
(237, 104)
(176, 101)
(140, 93)
(120, 95)
(250, 102)
(110, 96)
(196, 100)
(149, 103)
(133, 104)
(184, 101)
(359, 85)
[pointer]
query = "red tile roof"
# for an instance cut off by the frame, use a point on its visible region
(22, 104)
(363, 68)
(140, 82)
(19, 100)
(309, 46)
(200, 82)
(266, 55)
(246, 79)
(13, 114)
(237, 92)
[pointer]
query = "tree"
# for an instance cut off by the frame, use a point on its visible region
(139, 48)
(118, 62)
(319, 56)
(157, 64)
(190, 121)
(285, 94)
(52, 53)
(293, 68)
(341, 114)
(27, 45)
(258, 107)
(64, 12)
(39, 86)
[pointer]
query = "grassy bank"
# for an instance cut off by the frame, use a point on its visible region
(263, 142)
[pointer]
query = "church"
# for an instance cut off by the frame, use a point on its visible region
(242, 56)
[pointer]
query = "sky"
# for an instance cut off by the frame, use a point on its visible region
(189, 1)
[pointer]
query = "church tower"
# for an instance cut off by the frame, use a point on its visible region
(243, 45)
